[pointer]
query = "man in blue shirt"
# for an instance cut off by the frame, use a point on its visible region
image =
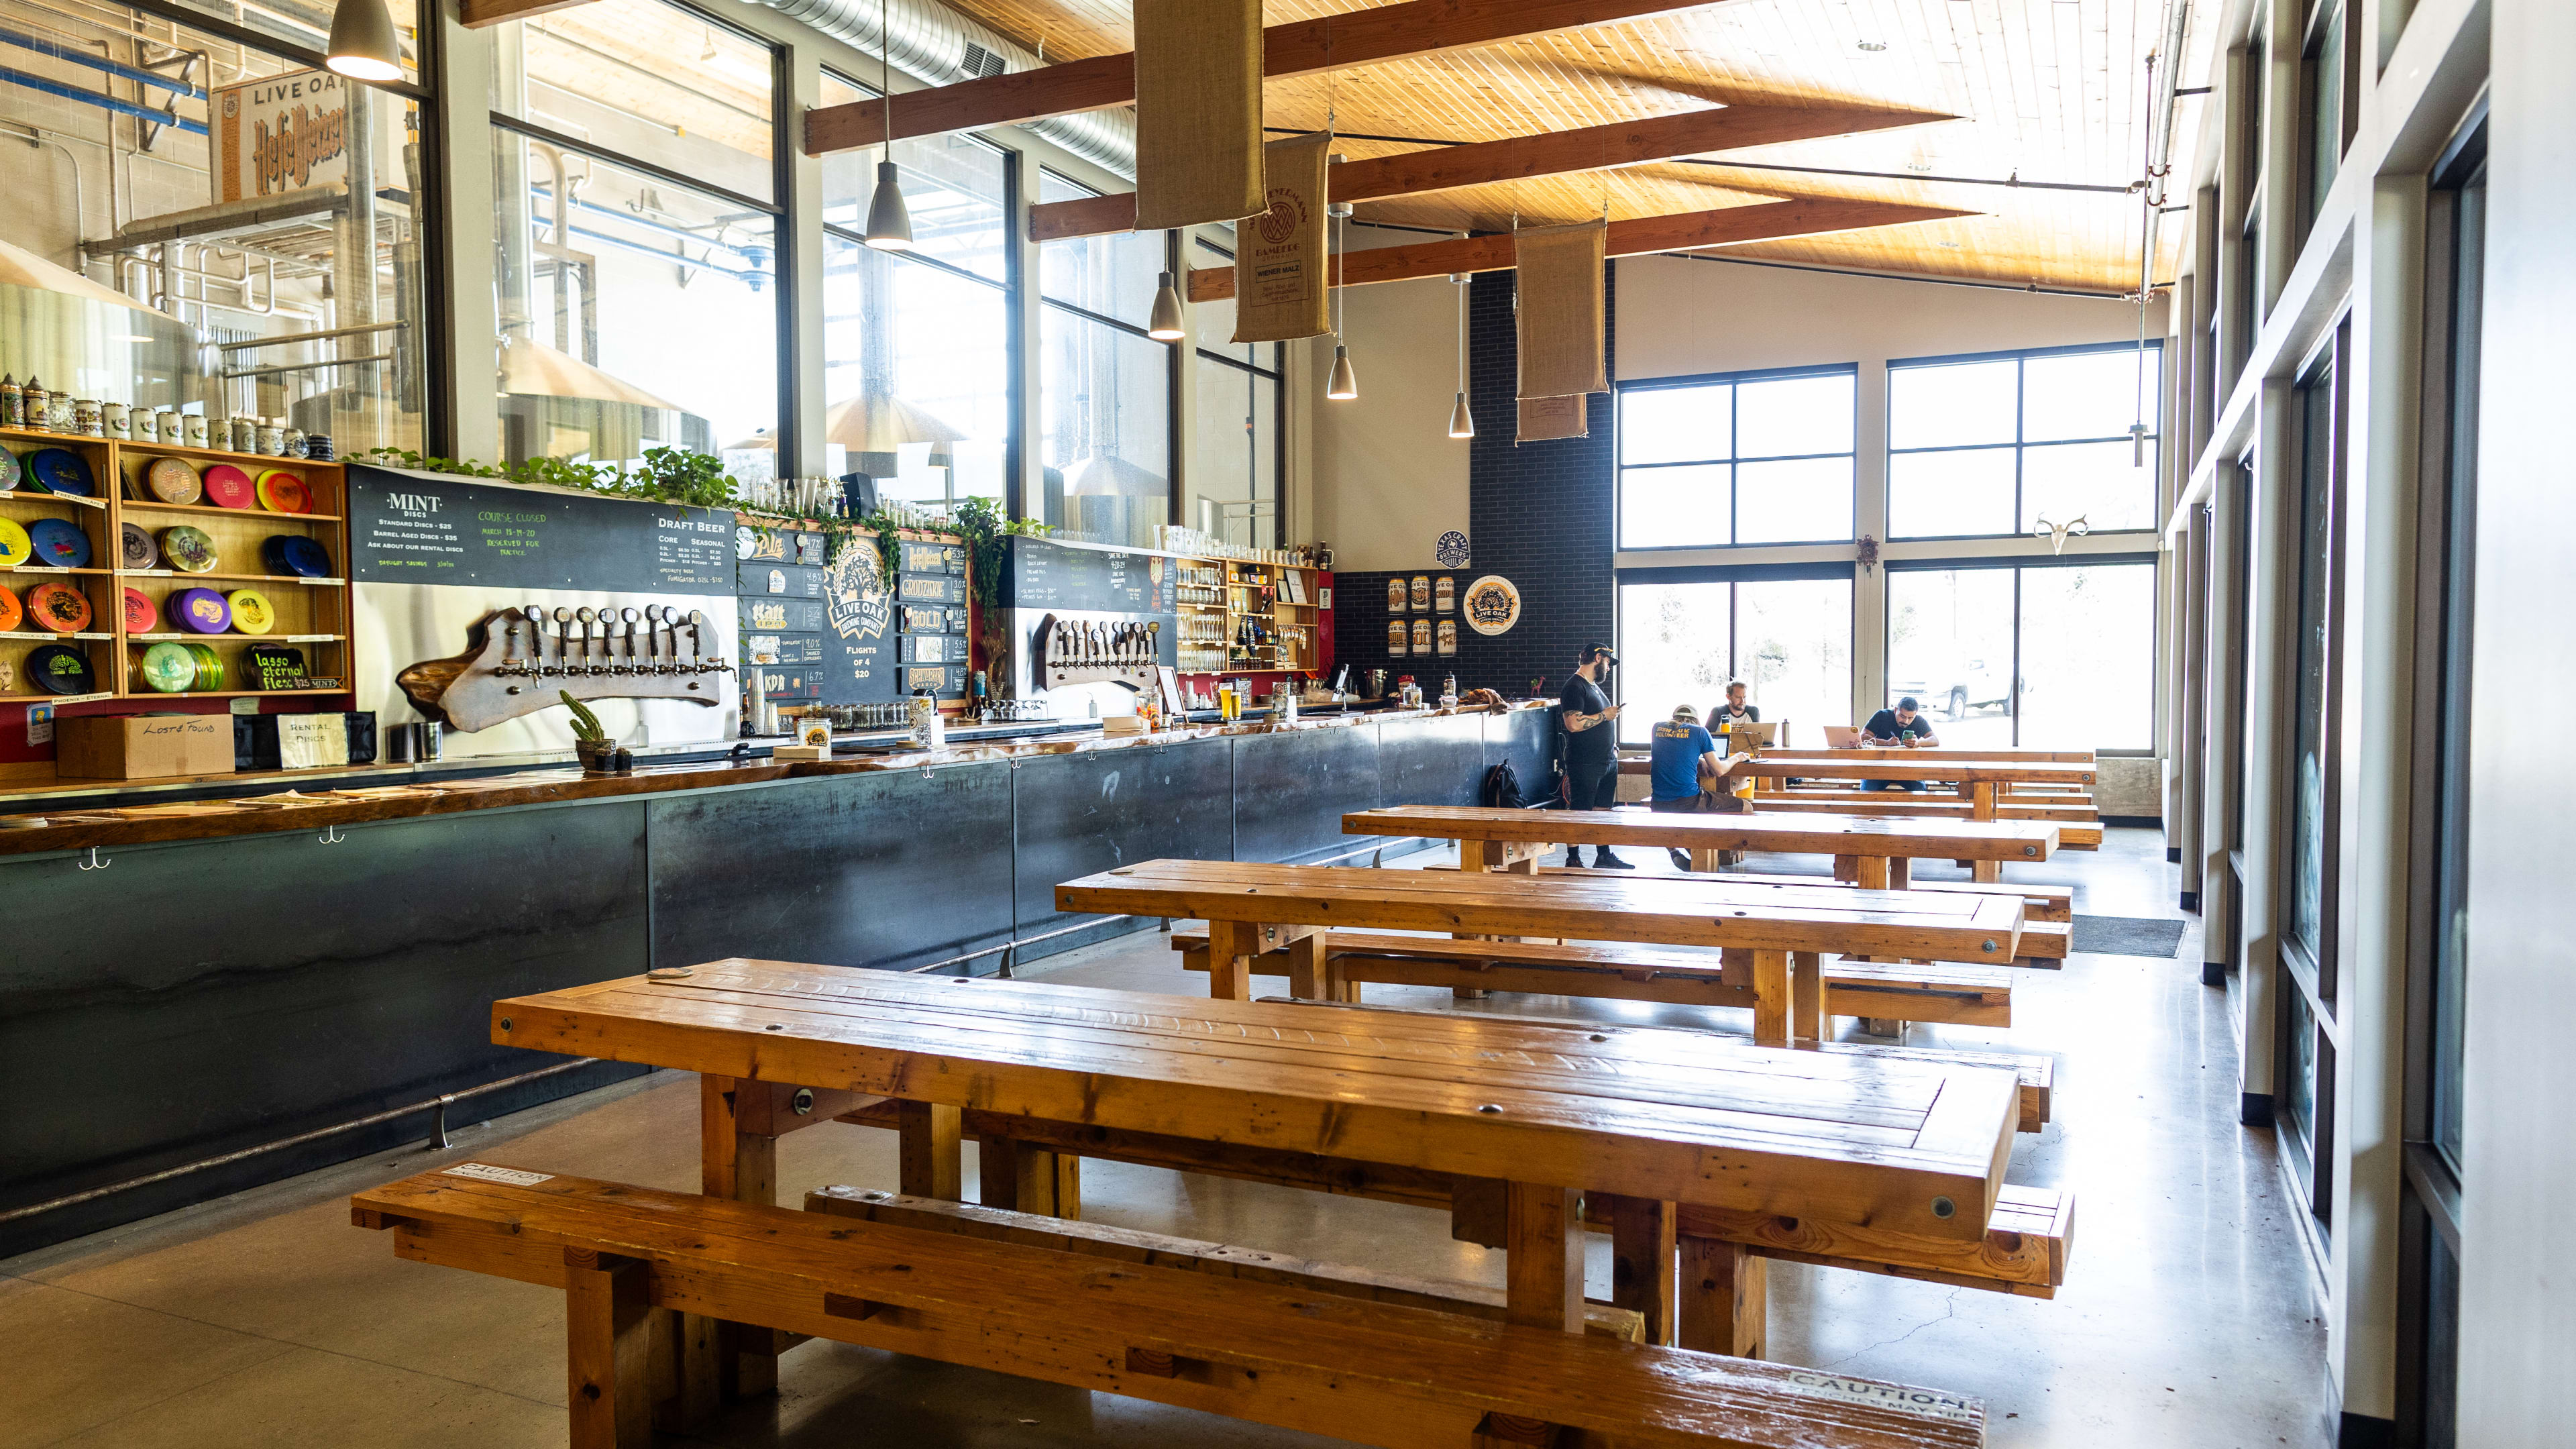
(1684, 758)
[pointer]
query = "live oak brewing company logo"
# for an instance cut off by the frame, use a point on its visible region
(855, 602)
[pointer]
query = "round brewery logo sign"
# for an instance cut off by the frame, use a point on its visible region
(1493, 606)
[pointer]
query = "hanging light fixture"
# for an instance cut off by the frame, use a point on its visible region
(1165, 323)
(1462, 423)
(364, 45)
(1344, 385)
(889, 220)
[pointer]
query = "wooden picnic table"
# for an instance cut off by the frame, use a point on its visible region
(1914, 1147)
(1979, 780)
(1880, 852)
(1253, 908)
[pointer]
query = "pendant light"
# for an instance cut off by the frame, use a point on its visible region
(1462, 423)
(1344, 384)
(889, 220)
(364, 45)
(1164, 325)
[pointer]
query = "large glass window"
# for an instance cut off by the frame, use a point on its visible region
(1234, 458)
(2058, 656)
(1106, 386)
(2316, 677)
(302, 24)
(2001, 445)
(2321, 74)
(918, 355)
(309, 310)
(1682, 642)
(1758, 458)
(635, 276)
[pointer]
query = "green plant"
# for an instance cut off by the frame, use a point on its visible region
(982, 524)
(585, 725)
(669, 475)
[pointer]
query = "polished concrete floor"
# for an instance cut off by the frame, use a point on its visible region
(2190, 1316)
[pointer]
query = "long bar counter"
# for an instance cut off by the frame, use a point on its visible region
(201, 982)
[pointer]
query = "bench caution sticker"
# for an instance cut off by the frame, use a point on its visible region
(486, 1173)
(1930, 1403)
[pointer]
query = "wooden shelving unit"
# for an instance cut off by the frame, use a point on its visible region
(311, 614)
(1241, 591)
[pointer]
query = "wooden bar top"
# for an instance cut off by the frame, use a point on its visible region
(1710, 912)
(1918, 1146)
(1818, 834)
(283, 806)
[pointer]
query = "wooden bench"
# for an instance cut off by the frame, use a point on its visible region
(631, 1259)
(1958, 995)
(2048, 913)
(2079, 833)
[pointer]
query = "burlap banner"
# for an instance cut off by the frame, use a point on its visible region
(1561, 309)
(1282, 259)
(1198, 112)
(1543, 418)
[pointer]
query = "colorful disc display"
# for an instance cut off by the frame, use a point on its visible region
(210, 666)
(59, 543)
(169, 668)
(229, 487)
(60, 470)
(252, 612)
(60, 669)
(200, 611)
(294, 556)
(174, 480)
(187, 549)
(10, 472)
(136, 547)
(284, 492)
(14, 547)
(11, 616)
(58, 607)
(142, 616)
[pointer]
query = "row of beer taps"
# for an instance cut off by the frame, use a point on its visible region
(1077, 644)
(604, 641)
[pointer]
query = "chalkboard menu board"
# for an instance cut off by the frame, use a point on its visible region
(1045, 574)
(858, 635)
(426, 528)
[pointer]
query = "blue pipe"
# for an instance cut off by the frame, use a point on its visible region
(103, 102)
(59, 51)
(749, 254)
(752, 279)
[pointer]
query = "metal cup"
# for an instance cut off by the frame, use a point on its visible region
(429, 739)
(402, 744)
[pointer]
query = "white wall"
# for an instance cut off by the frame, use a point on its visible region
(1388, 479)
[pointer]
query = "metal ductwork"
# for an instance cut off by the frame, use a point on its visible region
(937, 46)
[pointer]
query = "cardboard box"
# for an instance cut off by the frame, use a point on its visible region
(143, 746)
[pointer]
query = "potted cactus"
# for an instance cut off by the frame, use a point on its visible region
(590, 740)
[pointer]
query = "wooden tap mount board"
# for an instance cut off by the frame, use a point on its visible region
(1280, 899)
(1823, 835)
(1912, 1146)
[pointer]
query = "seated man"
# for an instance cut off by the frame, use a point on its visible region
(1903, 727)
(1735, 711)
(1688, 771)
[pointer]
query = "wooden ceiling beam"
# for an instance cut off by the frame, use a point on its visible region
(1304, 47)
(1591, 148)
(1683, 231)
(482, 14)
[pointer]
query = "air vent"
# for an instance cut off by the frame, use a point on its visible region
(979, 62)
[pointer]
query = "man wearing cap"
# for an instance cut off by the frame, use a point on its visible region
(1689, 772)
(1591, 747)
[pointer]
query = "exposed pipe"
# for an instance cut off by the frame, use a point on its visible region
(937, 46)
(93, 98)
(59, 51)
(80, 207)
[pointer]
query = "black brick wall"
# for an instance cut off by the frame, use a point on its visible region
(1538, 514)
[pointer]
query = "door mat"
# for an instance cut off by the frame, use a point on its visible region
(2126, 936)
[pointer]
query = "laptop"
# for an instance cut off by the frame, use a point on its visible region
(1752, 736)
(1844, 737)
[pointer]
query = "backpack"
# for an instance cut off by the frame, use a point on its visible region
(1502, 789)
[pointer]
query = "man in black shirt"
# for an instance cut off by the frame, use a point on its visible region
(1591, 748)
(1903, 727)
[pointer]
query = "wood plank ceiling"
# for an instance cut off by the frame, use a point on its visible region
(2049, 90)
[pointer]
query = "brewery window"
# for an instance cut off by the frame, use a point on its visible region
(2012, 443)
(1105, 387)
(1746, 458)
(1235, 454)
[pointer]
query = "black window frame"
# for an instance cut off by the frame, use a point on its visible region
(1172, 352)
(1277, 373)
(2020, 444)
(1730, 575)
(2020, 563)
(1734, 459)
